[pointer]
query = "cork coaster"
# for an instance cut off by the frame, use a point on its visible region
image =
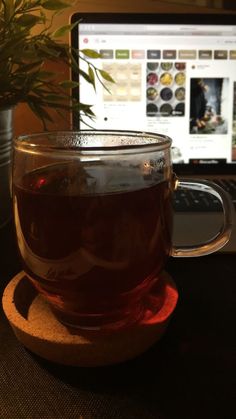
(36, 327)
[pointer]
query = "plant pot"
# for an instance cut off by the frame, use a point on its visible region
(6, 135)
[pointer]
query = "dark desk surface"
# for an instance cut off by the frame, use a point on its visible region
(189, 374)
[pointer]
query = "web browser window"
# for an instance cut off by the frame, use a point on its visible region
(178, 80)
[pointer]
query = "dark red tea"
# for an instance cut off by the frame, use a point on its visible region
(92, 250)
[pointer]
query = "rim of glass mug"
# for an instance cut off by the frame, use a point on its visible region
(87, 141)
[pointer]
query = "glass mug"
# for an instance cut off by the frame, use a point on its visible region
(93, 216)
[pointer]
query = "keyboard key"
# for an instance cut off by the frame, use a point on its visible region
(195, 201)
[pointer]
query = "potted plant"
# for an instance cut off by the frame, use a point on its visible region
(24, 54)
(27, 44)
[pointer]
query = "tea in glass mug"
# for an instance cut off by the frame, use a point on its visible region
(94, 220)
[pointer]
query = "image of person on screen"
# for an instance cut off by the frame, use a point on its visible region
(209, 105)
(198, 104)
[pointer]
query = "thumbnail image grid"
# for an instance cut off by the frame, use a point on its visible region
(165, 88)
(127, 86)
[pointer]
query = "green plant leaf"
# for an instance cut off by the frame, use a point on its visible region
(45, 75)
(28, 20)
(23, 56)
(86, 109)
(39, 110)
(92, 76)
(90, 53)
(83, 74)
(106, 76)
(50, 52)
(17, 3)
(63, 30)
(28, 67)
(68, 84)
(54, 5)
(8, 6)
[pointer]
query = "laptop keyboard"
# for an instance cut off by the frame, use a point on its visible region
(191, 201)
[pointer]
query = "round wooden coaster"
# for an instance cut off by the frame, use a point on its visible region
(37, 329)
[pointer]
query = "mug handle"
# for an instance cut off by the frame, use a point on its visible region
(223, 235)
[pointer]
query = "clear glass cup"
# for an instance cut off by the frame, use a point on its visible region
(94, 220)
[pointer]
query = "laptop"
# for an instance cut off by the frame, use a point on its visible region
(175, 75)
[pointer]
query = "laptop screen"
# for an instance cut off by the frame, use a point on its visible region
(174, 75)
